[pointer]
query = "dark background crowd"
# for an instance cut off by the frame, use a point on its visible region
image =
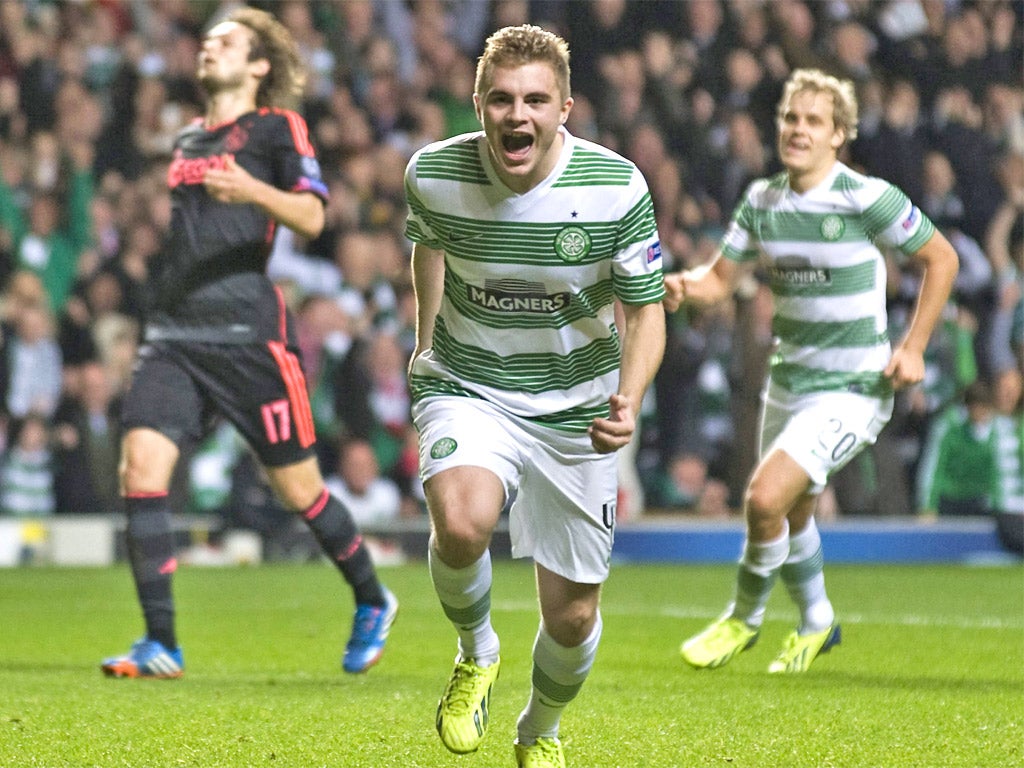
(92, 93)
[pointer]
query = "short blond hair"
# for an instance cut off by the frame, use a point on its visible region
(524, 44)
(843, 93)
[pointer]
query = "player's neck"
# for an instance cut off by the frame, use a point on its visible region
(227, 106)
(802, 182)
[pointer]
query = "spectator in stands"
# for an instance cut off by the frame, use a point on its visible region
(35, 366)
(1003, 116)
(26, 470)
(362, 258)
(898, 149)
(940, 198)
(957, 130)
(373, 499)
(1009, 420)
(686, 486)
(750, 91)
(853, 46)
(597, 32)
(334, 371)
(745, 158)
(87, 441)
(1004, 243)
(707, 30)
(47, 238)
(959, 472)
(388, 397)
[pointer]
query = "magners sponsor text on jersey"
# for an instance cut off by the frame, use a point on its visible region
(801, 275)
(515, 301)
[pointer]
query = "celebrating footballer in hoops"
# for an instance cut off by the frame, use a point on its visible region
(525, 237)
(816, 229)
(219, 339)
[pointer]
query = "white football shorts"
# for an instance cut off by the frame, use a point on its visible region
(564, 493)
(821, 431)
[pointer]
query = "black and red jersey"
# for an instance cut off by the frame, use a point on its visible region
(210, 274)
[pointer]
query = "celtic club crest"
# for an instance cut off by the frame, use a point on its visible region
(832, 227)
(444, 447)
(572, 244)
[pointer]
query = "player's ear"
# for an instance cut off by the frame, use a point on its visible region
(260, 67)
(838, 137)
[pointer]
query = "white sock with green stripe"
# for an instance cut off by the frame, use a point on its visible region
(755, 578)
(804, 577)
(558, 675)
(465, 595)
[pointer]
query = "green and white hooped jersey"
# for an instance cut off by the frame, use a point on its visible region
(527, 317)
(826, 274)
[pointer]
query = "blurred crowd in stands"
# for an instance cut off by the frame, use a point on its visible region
(92, 93)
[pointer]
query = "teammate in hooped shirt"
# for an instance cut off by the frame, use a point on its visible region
(218, 338)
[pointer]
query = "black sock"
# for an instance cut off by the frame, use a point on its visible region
(151, 553)
(334, 528)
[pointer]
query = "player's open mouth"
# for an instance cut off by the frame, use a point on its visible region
(516, 145)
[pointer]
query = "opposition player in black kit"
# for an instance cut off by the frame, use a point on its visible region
(218, 337)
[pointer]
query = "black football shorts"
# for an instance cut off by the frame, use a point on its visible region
(178, 387)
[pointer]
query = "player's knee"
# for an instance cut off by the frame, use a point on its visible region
(764, 502)
(297, 498)
(137, 475)
(460, 534)
(571, 626)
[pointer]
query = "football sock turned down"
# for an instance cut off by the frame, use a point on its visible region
(151, 554)
(335, 530)
(465, 595)
(804, 577)
(755, 578)
(558, 675)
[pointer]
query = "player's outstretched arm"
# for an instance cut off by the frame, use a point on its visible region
(707, 284)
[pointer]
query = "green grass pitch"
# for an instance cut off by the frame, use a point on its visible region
(930, 673)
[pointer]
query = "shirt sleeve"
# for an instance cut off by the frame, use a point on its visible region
(417, 226)
(637, 268)
(893, 220)
(738, 242)
(298, 169)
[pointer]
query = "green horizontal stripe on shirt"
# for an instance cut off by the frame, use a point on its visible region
(588, 168)
(801, 380)
(882, 213)
(828, 335)
(576, 419)
(533, 372)
(640, 289)
(456, 162)
(803, 227)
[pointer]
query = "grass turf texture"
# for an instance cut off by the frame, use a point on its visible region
(930, 673)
